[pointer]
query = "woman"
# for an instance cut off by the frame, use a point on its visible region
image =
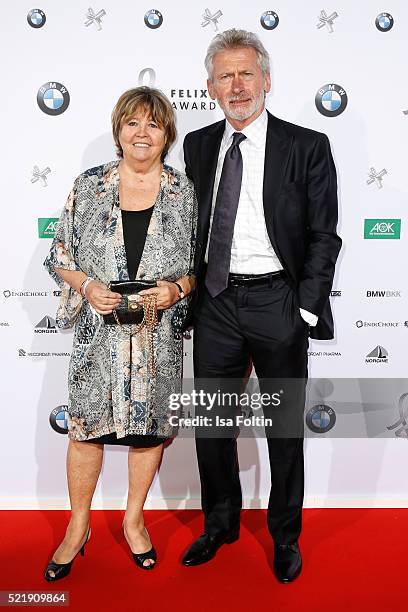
(129, 219)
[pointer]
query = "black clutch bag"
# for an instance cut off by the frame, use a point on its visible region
(129, 312)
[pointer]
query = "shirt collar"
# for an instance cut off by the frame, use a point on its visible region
(255, 131)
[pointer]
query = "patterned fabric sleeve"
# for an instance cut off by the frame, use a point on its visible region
(180, 309)
(63, 255)
(194, 218)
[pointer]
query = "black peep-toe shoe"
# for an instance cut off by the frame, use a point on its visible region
(62, 569)
(140, 558)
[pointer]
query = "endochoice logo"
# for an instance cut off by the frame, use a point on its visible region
(8, 293)
(382, 228)
(47, 227)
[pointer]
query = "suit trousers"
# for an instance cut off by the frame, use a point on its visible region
(256, 325)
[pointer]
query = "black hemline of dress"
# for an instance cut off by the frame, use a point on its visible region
(134, 440)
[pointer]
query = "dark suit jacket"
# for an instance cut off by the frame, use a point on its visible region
(300, 206)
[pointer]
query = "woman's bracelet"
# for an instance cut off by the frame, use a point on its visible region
(82, 289)
(182, 295)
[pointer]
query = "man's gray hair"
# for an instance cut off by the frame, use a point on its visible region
(234, 39)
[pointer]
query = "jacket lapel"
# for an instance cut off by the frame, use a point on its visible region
(277, 149)
(210, 147)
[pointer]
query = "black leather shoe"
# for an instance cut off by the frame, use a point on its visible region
(287, 563)
(205, 547)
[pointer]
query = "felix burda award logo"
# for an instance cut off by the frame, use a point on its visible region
(376, 177)
(40, 176)
(95, 17)
(326, 21)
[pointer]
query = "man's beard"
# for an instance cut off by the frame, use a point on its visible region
(245, 113)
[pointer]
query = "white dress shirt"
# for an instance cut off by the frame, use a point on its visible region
(251, 250)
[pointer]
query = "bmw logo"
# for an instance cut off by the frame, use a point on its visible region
(59, 419)
(53, 98)
(36, 18)
(321, 418)
(153, 19)
(384, 22)
(269, 20)
(331, 100)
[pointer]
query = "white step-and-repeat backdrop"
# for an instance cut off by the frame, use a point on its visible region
(338, 68)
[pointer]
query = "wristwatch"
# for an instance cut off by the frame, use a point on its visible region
(181, 292)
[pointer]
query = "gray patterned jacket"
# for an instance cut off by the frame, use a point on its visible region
(108, 391)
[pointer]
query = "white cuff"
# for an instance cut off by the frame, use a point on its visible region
(309, 317)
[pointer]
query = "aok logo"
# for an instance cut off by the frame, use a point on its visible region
(47, 227)
(382, 228)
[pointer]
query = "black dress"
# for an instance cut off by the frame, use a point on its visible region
(135, 224)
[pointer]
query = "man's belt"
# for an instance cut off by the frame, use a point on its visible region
(248, 280)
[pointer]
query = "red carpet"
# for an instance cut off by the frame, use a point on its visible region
(352, 560)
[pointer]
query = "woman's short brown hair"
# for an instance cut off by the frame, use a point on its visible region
(155, 103)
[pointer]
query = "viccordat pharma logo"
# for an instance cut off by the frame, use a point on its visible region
(59, 419)
(47, 227)
(382, 229)
(331, 100)
(53, 98)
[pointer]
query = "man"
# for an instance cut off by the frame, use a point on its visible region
(265, 259)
